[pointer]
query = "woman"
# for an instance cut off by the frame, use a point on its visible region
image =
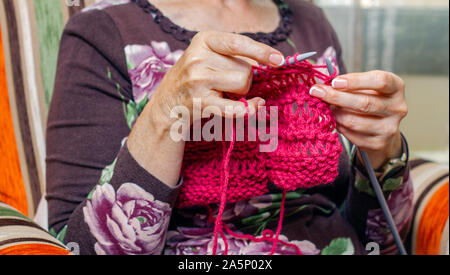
(113, 172)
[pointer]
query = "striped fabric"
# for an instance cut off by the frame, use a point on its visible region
(12, 189)
(430, 228)
(21, 236)
(29, 41)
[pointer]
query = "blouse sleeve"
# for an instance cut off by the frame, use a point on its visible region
(99, 197)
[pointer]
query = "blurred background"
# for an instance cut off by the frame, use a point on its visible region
(409, 38)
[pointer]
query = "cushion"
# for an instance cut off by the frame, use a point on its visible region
(21, 236)
(429, 233)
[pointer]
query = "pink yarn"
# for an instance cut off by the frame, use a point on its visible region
(308, 148)
(223, 192)
(307, 154)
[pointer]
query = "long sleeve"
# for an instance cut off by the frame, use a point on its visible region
(99, 197)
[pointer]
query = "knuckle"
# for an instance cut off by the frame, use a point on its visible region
(350, 122)
(402, 84)
(332, 95)
(403, 110)
(242, 77)
(233, 44)
(191, 58)
(376, 144)
(390, 129)
(365, 104)
(193, 78)
(381, 79)
(243, 81)
(201, 36)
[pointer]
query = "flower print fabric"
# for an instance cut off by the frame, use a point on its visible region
(147, 65)
(129, 222)
(199, 241)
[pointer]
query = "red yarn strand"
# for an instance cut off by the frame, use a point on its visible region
(224, 189)
(280, 223)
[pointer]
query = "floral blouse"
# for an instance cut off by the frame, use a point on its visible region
(112, 57)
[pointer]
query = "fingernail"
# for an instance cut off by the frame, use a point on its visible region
(276, 59)
(338, 83)
(261, 102)
(317, 92)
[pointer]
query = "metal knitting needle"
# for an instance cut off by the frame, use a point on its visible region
(383, 203)
(300, 58)
(330, 67)
(376, 187)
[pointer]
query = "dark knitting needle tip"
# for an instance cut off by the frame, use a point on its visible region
(330, 67)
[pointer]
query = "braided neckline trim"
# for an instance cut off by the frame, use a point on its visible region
(181, 34)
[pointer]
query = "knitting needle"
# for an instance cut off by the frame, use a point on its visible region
(383, 204)
(300, 58)
(330, 67)
(376, 186)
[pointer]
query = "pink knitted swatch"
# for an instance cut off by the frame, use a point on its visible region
(308, 147)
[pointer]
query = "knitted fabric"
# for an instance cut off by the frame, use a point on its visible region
(307, 152)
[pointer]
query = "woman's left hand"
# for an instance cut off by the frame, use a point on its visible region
(368, 108)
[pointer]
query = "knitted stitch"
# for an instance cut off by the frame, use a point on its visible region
(308, 147)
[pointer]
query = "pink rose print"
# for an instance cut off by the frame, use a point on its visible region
(264, 248)
(130, 222)
(147, 66)
(199, 241)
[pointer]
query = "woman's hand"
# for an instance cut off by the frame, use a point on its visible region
(368, 108)
(215, 62)
(211, 65)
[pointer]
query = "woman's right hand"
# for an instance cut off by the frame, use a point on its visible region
(215, 62)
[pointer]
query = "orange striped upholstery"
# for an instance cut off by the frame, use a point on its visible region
(12, 190)
(432, 223)
(429, 234)
(33, 249)
(21, 236)
(29, 41)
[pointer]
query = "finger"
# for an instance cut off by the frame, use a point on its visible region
(231, 44)
(362, 103)
(364, 142)
(236, 82)
(229, 63)
(367, 125)
(230, 108)
(384, 82)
